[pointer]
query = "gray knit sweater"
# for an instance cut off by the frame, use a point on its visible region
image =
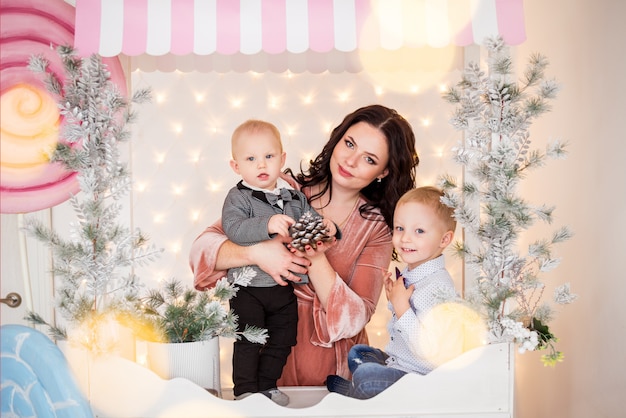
(245, 216)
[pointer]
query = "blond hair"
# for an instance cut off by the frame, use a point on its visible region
(431, 196)
(252, 126)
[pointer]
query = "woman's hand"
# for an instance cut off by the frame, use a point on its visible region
(275, 259)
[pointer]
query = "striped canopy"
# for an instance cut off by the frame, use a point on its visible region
(204, 27)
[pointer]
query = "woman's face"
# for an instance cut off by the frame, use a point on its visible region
(359, 157)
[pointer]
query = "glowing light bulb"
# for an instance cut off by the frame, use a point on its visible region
(175, 247)
(160, 98)
(308, 99)
(425, 122)
(177, 128)
(140, 187)
(200, 97)
(195, 215)
(195, 157)
(159, 157)
(379, 91)
(158, 218)
(178, 190)
(343, 97)
(414, 89)
(214, 186)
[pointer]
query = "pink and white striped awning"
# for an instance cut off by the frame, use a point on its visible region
(204, 27)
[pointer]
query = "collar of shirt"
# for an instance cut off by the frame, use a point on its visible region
(280, 184)
(418, 273)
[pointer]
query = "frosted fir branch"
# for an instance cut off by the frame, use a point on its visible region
(563, 234)
(549, 264)
(557, 150)
(544, 213)
(534, 73)
(563, 295)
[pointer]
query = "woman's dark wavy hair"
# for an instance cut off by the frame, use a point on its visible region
(403, 160)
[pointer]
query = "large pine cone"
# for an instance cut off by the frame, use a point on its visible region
(309, 230)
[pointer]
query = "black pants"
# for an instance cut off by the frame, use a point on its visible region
(257, 367)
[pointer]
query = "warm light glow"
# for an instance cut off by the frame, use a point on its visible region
(291, 130)
(140, 186)
(175, 247)
(273, 102)
(379, 91)
(213, 186)
(160, 98)
(308, 99)
(194, 156)
(158, 218)
(159, 158)
(343, 96)
(443, 88)
(200, 97)
(195, 215)
(449, 330)
(236, 103)
(425, 122)
(178, 189)
(177, 128)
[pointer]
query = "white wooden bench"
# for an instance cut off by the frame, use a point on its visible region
(477, 384)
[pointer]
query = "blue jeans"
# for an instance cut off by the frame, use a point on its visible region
(370, 373)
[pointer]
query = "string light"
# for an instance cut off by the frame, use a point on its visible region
(159, 158)
(177, 128)
(140, 187)
(308, 99)
(194, 156)
(178, 189)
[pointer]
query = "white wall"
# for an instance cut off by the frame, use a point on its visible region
(584, 41)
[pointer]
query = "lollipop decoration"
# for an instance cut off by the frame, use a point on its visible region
(30, 120)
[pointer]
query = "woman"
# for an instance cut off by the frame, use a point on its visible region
(368, 163)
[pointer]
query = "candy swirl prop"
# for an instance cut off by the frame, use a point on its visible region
(29, 117)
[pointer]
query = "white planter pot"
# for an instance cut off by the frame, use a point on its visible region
(197, 361)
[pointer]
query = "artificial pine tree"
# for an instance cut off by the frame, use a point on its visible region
(93, 267)
(495, 112)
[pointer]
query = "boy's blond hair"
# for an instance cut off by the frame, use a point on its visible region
(431, 196)
(253, 126)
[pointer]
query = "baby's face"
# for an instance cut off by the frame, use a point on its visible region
(258, 158)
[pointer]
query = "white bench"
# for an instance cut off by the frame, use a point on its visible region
(477, 384)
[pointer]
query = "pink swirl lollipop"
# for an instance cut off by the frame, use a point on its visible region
(30, 118)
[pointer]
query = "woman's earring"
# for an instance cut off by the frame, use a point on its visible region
(378, 180)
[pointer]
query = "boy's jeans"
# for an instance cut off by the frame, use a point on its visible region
(370, 373)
